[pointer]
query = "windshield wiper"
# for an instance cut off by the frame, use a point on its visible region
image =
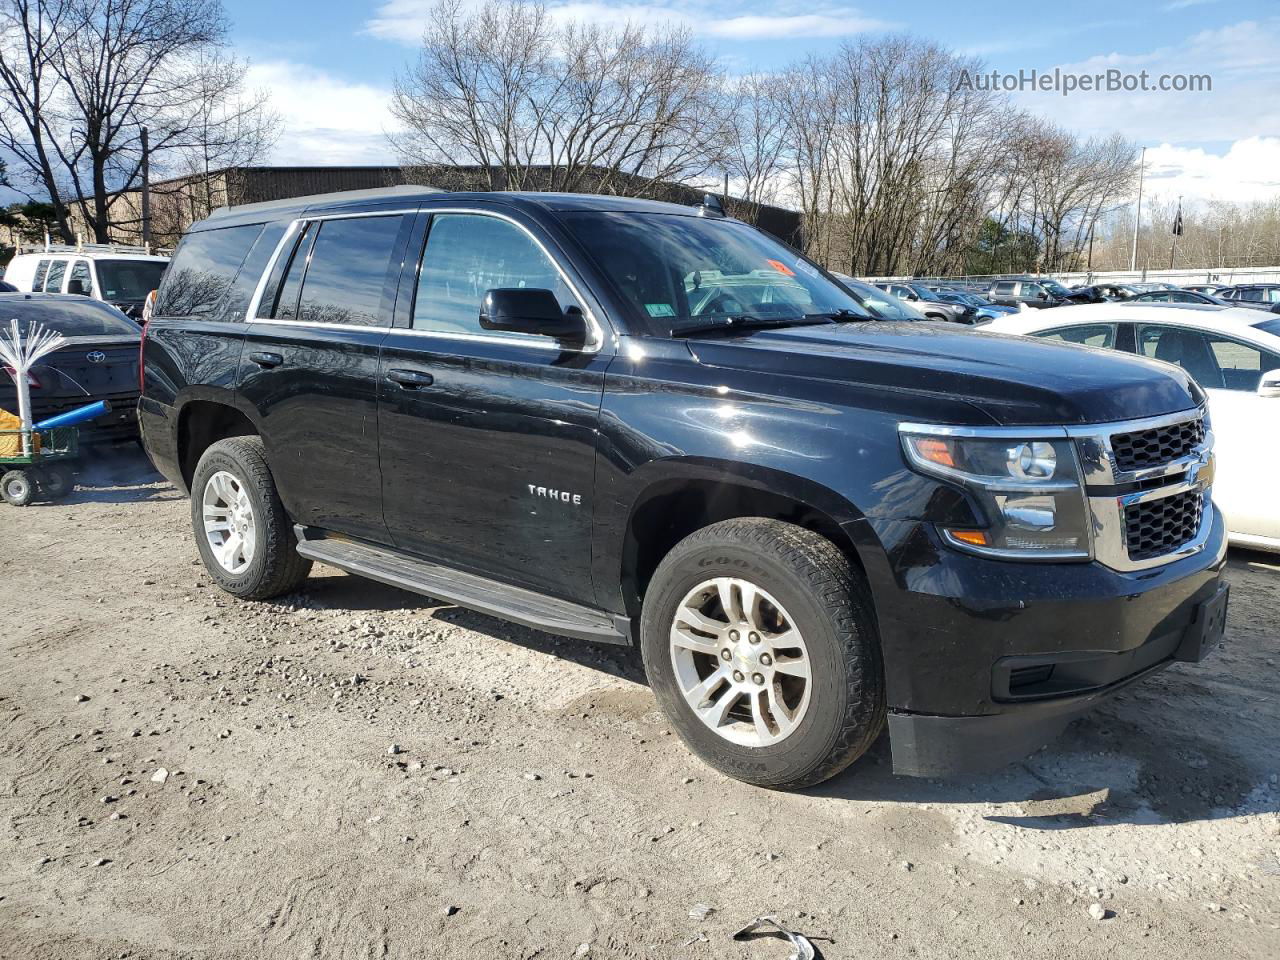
(841, 314)
(743, 322)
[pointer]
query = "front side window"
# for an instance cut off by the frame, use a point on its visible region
(466, 256)
(80, 277)
(1088, 334)
(202, 270)
(1032, 290)
(1252, 294)
(1273, 295)
(347, 272)
(53, 282)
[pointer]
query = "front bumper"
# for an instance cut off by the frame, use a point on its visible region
(986, 661)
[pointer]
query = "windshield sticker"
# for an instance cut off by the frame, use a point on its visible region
(660, 309)
(781, 267)
(806, 268)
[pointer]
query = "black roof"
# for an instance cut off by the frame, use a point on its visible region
(409, 194)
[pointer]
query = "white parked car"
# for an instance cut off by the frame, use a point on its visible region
(119, 275)
(1233, 353)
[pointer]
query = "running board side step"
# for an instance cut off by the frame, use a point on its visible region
(526, 607)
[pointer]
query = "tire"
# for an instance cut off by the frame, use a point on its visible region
(56, 481)
(238, 468)
(807, 582)
(17, 488)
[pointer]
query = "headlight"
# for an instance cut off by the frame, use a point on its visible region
(1028, 489)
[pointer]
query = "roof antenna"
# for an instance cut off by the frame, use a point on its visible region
(711, 206)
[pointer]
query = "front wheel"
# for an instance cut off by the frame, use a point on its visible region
(16, 488)
(242, 531)
(759, 641)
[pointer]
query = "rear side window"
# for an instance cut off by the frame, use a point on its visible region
(347, 273)
(1088, 334)
(203, 270)
(1252, 294)
(42, 270)
(53, 282)
(1003, 287)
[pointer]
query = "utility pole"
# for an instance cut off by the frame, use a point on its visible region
(1137, 217)
(146, 190)
(1177, 232)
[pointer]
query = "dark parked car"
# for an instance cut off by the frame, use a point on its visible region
(646, 424)
(99, 361)
(1033, 291)
(1213, 289)
(1248, 293)
(1190, 296)
(930, 304)
(1101, 293)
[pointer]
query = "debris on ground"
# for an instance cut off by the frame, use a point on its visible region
(803, 948)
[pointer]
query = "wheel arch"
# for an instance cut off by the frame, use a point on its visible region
(202, 423)
(694, 493)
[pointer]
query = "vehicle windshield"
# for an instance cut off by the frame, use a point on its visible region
(71, 318)
(676, 269)
(1054, 287)
(926, 294)
(129, 279)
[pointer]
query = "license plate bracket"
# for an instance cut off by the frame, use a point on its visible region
(1206, 629)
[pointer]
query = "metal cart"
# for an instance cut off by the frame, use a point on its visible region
(46, 472)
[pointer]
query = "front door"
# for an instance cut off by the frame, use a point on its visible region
(488, 439)
(310, 365)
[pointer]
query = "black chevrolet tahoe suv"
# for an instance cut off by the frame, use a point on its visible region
(639, 423)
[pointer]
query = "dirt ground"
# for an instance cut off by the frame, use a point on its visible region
(354, 771)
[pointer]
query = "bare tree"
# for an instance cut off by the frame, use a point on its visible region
(531, 103)
(82, 78)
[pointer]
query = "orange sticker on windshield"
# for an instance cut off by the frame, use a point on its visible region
(781, 267)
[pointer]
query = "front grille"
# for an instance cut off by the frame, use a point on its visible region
(1157, 527)
(1157, 446)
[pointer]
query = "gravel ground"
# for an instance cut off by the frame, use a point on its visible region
(353, 771)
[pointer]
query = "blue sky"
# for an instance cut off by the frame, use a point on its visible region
(330, 64)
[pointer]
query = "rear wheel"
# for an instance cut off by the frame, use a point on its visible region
(56, 481)
(242, 531)
(759, 642)
(16, 488)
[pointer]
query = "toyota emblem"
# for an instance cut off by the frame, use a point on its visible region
(95, 356)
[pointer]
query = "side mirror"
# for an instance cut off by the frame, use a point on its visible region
(533, 311)
(1269, 384)
(1042, 295)
(79, 287)
(913, 297)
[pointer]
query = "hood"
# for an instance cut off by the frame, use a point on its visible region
(1014, 380)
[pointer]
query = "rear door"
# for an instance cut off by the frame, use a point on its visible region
(1230, 370)
(488, 438)
(310, 364)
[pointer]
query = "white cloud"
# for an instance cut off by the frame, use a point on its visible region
(326, 120)
(1242, 60)
(1248, 170)
(1183, 4)
(403, 20)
